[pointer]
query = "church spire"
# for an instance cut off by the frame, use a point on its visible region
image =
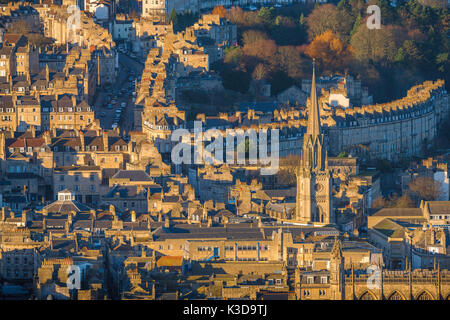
(314, 128)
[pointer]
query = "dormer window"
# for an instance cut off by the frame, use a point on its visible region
(65, 196)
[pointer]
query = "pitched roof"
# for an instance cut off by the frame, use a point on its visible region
(170, 261)
(133, 175)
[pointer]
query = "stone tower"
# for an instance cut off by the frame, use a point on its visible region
(337, 271)
(313, 177)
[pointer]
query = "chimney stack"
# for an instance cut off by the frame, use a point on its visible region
(167, 223)
(33, 131)
(2, 146)
(105, 141)
(47, 137)
(82, 141)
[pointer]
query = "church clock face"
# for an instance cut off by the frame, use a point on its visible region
(318, 187)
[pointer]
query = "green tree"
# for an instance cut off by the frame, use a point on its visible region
(302, 20)
(400, 56)
(266, 15)
(173, 17)
(412, 52)
(442, 61)
(356, 25)
(374, 44)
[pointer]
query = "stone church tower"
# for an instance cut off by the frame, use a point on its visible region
(313, 177)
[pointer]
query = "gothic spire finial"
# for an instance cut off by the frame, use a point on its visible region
(313, 114)
(336, 251)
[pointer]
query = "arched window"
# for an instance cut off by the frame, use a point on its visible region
(395, 296)
(367, 296)
(424, 296)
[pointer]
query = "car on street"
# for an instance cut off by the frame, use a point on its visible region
(109, 106)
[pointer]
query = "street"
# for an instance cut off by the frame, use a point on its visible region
(121, 91)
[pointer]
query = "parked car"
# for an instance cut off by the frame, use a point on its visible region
(109, 106)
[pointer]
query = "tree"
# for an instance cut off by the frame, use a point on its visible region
(412, 52)
(356, 25)
(236, 15)
(284, 21)
(173, 18)
(251, 36)
(262, 49)
(266, 15)
(379, 202)
(330, 52)
(328, 17)
(220, 10)
(233, 55)
(443, 61)
(426, 188)
(393, 201)
(302, 20)
(289, 60)
(260, 72)
(279, 82)
(374, 44)
(236, 80)
(404, 201)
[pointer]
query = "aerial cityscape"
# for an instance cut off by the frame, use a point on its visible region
(224, 150)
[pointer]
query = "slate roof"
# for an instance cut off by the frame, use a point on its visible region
(133, 175)
(66, 206)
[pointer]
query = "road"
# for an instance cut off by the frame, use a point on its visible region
(120, 91)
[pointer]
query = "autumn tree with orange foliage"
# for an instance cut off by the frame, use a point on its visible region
(331, 53)
(220, 10)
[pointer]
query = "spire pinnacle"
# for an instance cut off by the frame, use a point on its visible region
(314, 128)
